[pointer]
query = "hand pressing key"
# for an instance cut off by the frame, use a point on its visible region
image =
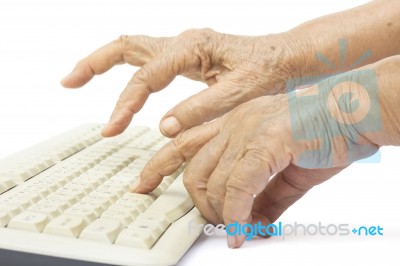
(302, 143)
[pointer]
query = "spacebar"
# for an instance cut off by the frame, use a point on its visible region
(174, 202)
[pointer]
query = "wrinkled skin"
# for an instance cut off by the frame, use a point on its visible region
(230, 65)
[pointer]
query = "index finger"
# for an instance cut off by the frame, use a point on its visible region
(134, 50)
(151, 77)
(173, 155)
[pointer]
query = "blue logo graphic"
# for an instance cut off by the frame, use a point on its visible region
(337, 102)
(283, 230)
(368, 231)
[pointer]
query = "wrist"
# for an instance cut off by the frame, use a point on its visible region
(288, 55)
(388, 100)
(335, 118)
(361, 104)
(301, 58)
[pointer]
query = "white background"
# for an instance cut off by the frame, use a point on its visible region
(40, 41)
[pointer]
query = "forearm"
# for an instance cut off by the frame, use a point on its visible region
(369, 33)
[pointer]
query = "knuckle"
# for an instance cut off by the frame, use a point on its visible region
(205, 33)
(151, 165)
(255, 161)
(122, 41)
(178, 144)
(138, 50)
(200, 36)
(142, 77)
(296, 185)
(236, 185)
(214, 197)
(189, 32)
(259, 161)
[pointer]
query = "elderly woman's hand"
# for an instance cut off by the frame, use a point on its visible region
(303, 138)
(236, 69)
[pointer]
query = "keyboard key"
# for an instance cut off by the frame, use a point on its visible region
(110, 195)
(51, 186)
(6, 182)
(66, 225)
(124, 216)
(160, 189)
(65, 198)
(59, 204)
(97, 207)
(49, 210)
(32, 196)
(151, 226)
(146, 199)
(159, 220)
(88, 180)
(4, 218)
(20, 203)
(87, 214)
(42, 190)
(118, 183)
(82, 188)
(101, 172)
(27, 168)
(103, 230)
(75, 192)
(39, 163)
(174, 202)
(101, 201)
(130, 203)
(117, 191)
(17, 174)
(55, 179)
(78, 187)
(30, 221)
(136, 237)
(7, 212)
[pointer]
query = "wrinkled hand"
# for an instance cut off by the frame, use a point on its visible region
(233, 158)
(236, 69)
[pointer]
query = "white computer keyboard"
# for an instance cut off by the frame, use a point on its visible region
(66, 201)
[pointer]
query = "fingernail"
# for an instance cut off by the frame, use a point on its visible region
(134, 185)
(171, 126)
(231, 241)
